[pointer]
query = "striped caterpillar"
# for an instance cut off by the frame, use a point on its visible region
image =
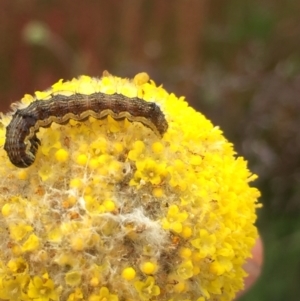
(21, 142)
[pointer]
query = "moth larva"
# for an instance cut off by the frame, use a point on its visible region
(22, 143)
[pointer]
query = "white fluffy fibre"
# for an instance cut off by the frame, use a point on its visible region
(150, 232)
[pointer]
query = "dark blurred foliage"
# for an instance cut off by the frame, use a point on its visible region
(236, 61)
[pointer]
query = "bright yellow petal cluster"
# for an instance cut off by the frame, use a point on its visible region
(111, 211)
(147, 289)
(174, 220)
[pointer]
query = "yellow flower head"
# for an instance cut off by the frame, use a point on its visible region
(120, 191)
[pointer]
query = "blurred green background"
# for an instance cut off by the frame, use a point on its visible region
(236, 61)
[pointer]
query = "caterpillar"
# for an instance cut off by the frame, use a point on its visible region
(21, 142)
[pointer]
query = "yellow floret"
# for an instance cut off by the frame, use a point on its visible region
(31, 244)
(128, 273)
(6, 210)
(77, 243)
(157, 147)
(61, 155)
(141, 78)
(148, 267)
(109, 205)
(76, 183)
(158, 192)
(73, 278)
(185, 252)
(82, 159)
